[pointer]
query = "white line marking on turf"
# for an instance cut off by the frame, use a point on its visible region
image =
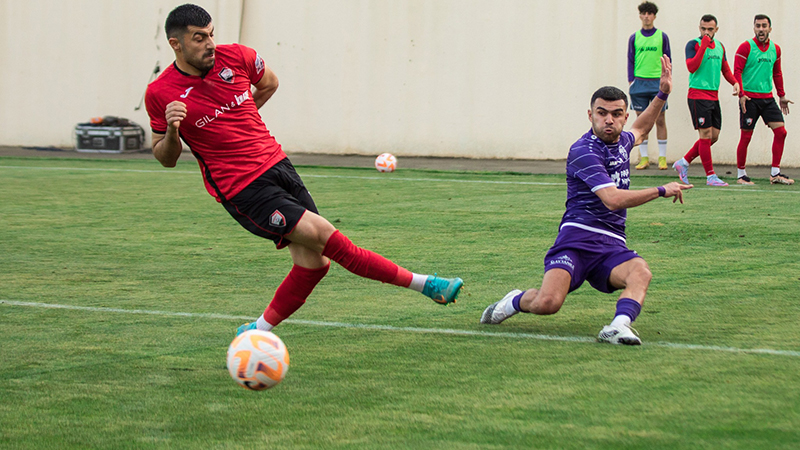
(540, 337)
(732, 188)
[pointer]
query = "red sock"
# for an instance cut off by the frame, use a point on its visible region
(741, 150)
(704, 148)
(293, 292)
(777, 146)
(693, 152)
(365, 263)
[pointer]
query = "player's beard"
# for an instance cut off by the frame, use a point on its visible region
(607, 138)
(204, 63)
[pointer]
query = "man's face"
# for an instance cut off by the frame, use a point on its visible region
(762, 29)
(647, 20)
(708, 29)
(196, 47)
(608, 118)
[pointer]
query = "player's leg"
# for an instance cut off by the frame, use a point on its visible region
(543, 301)
(747, 123)
(633, 277)
(307, 271)
(317, 234)
(699, 122)
(661, 135)
(639, 102)
(778, 142)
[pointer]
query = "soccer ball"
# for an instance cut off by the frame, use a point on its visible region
(257, 360)
(386, 162)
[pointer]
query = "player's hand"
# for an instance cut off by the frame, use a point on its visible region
(706, 41)
(665, 84)
(785, 104)
(742, 100)
(175, 113)
(736, 89)
(675, 190)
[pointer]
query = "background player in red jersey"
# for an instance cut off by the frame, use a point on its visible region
(205, 98)
(705, 59)
(757, 66)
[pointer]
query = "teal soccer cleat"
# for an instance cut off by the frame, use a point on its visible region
(442, 290)
(245, 327)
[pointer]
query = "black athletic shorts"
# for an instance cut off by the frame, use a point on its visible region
(272, 204)
(766, 108)
(705, 113)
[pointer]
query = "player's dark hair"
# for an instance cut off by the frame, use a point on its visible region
(762, 17)
(648, 7)
(709, 18)
(180, 18)
(609, 94)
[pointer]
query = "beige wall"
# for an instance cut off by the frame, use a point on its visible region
(475, 78)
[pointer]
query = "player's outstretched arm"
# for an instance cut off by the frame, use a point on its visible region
(167, 147)
(644, 123)
(616, 199)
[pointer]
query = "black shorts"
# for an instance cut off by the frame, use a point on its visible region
(705, 113)
(272, 204)
(766, 108)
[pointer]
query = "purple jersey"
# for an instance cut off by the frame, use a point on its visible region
(592, 165)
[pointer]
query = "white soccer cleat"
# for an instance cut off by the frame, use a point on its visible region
(619, 335)
(494, 313)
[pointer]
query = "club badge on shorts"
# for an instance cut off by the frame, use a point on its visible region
(277, 219)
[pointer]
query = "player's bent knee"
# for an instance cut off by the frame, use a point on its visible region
(546, 304)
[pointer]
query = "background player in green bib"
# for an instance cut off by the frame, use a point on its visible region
(645, 48)
(705, 59)
(757, 66)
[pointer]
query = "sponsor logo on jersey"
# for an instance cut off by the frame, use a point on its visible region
(186, 94)
(226, 74)
(277, 219)
(259, 64)
(222, 109)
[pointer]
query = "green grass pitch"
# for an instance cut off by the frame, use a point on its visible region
(375, 366)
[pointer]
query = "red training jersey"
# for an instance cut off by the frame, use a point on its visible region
(222, 125)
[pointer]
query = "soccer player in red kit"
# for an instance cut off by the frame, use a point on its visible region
(205, 99)
(756, 68)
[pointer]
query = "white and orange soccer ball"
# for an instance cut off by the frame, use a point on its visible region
(258, 360)
(386, 162)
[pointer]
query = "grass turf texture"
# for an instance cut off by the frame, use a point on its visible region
(131, 235)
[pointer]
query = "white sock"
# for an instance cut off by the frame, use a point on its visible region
(643, 148)
(621, 320)
(262, 324)
(417, 282)
(508, 307)
(742, 173)
(775, 171)
(683, 162)
(662, 148)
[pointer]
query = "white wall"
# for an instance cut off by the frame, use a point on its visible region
(475, 78)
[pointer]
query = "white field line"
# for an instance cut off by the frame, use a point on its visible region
(732, 188)
(540, 337)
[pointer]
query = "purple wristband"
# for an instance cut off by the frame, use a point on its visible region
(662, 191)
(662, 95)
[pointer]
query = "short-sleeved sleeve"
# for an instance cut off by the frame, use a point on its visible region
(158, 120)
(253, 64)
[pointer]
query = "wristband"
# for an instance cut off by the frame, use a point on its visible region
(662, 191)
(662, 95)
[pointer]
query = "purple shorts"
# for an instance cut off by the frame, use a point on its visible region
(587, 256)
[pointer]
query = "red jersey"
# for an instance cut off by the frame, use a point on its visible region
(222, 125)
(741, 59)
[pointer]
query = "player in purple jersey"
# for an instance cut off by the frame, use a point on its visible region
(591, 242)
